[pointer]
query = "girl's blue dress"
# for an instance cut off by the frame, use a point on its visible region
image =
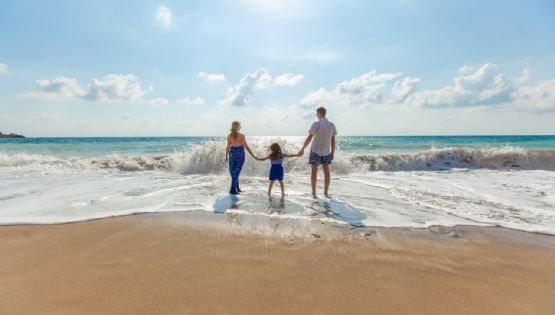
(276, 171)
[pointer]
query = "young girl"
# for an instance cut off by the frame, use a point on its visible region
(276, 157)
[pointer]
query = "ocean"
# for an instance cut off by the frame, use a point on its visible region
(412, 181)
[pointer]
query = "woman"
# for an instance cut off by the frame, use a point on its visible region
(235, 151)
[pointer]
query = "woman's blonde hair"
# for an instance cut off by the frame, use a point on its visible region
(235, 129)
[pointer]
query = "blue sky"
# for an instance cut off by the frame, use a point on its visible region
(140, 68)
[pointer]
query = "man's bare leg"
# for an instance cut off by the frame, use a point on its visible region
(313, 178)
(326, 169)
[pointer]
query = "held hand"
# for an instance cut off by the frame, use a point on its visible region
(301, 153)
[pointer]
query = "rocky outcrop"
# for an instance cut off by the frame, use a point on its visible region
(10, 135)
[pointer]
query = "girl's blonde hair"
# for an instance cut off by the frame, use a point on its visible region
(275, 151)
(235, 129)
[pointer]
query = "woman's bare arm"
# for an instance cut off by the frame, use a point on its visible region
(247, 147)
(227, 149)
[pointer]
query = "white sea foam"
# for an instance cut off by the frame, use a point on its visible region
(208, 158)
(508, 186)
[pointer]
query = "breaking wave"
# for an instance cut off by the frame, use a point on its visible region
(208, 158)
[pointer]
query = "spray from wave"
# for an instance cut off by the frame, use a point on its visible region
(208, 158)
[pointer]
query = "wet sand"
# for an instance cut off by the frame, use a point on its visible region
(153, 264)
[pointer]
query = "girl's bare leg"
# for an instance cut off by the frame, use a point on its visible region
(282, 188)
(270, 187)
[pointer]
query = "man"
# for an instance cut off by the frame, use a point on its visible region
(322, 134)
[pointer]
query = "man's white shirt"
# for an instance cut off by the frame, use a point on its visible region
(322, 130)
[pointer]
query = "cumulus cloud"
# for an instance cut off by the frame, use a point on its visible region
(211, 77)
(402, 89)
(163, 16)
(112, 88)
(57, 89)
(483, 86)
(192, 102)
(466, 69)
(366, 89)
(4, 68)
(540, 96)
(525, 76)
(116, 87)
(288, 79)
(315, 98)
(242, 93)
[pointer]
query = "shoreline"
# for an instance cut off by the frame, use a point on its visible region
(176, 263)
(214, 219)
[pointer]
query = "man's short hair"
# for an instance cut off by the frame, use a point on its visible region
(321, 111)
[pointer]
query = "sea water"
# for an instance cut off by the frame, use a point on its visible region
(376, 181)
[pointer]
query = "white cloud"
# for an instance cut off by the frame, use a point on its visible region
(484, 86)
(540, 96)
(116, 87)
(481, 86)
(192, 102)
(163, 16)
(112, 88)
(365, 89)
(497, 93)
(4, 69)
(158, 101)
(316, 98)
(57, 89)
(288, 79)
(402, 89)
(466, 69)
(212, 77)
(525, 76)
(242, 93)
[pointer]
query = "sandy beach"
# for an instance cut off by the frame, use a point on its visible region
(154, 264)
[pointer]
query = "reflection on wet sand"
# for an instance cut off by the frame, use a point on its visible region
(276, 215)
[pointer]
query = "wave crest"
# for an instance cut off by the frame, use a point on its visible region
(209, 157)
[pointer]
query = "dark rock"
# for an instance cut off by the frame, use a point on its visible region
(10, 135)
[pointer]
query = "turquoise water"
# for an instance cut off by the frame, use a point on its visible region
(151, 146)
(377, 181)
